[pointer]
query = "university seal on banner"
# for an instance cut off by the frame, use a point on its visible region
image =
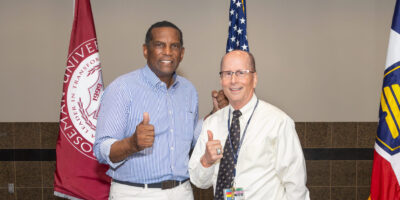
(84, 87)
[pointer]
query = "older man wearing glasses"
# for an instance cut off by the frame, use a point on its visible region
(249, 149)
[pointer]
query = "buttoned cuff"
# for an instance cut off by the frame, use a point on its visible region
(205, 174)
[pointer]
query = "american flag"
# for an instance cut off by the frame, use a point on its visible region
(237, 38)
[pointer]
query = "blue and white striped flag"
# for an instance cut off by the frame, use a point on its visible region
(237, 38)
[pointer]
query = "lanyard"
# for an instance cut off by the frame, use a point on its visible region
(236, 154)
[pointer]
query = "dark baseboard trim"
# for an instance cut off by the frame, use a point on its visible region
(339, 153)
(309, 154)
(27, 154)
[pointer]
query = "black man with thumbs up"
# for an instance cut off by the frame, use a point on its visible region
(146, 124)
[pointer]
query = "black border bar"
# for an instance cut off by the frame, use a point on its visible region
(27, 154)
(309, 154)
(339, 153)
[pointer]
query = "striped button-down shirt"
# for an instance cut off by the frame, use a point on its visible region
(173, 112)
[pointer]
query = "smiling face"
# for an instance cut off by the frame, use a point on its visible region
(164, 52)
(238, 90)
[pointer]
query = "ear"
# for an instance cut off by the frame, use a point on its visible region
(145, 51)
(255, 80)
(182, 53)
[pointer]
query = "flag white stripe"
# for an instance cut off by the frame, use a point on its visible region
(393, 54)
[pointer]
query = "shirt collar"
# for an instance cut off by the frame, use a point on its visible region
(154, 81)
(176, 78)
(247, 109)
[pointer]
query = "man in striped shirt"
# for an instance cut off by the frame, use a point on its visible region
(147, 121)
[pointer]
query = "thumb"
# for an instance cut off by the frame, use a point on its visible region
(146, 118)
(210, 135)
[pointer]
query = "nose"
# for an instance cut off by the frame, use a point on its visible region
(167, 50)
(233, 78)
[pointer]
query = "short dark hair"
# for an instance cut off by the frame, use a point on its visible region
(149, 35)
(252, 60)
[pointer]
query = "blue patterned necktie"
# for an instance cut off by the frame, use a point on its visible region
(227, 165)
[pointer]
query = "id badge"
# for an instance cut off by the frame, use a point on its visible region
(234, 194)
(228, 195)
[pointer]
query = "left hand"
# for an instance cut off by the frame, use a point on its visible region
(219, 100)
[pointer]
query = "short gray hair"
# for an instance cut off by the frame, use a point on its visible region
(252, 60)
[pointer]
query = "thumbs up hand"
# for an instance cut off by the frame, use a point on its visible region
(213, 151)
(144, 134)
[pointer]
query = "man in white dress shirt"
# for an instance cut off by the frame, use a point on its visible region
(268, 161)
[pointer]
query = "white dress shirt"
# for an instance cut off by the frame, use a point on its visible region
(270, 165)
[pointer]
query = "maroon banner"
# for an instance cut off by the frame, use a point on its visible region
(78, 174)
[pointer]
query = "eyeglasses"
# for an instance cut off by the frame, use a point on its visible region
(239, 73)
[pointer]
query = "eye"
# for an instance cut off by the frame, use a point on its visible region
(176, 46)
(158, 44)
(242, 72)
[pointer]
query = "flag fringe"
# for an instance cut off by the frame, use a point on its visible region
(59, 194)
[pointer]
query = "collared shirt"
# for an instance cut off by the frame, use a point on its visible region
(270, 165)
(173, 112)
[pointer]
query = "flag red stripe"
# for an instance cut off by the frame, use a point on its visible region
(384, 184)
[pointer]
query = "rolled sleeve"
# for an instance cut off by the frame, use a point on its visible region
(105, 148)
(111, 121)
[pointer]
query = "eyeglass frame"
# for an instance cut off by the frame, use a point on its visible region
(241, 73)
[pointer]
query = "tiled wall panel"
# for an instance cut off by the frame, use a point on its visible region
(329, 178)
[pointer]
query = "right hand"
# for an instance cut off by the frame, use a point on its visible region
(210, 156)
(144, 134)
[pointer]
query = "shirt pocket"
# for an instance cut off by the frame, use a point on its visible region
(189, 125)
(184, 137)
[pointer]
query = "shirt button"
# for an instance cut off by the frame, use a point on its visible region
(172, 130)
(172, 148)
(170, 112)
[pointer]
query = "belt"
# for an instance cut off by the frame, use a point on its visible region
(163, 185)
